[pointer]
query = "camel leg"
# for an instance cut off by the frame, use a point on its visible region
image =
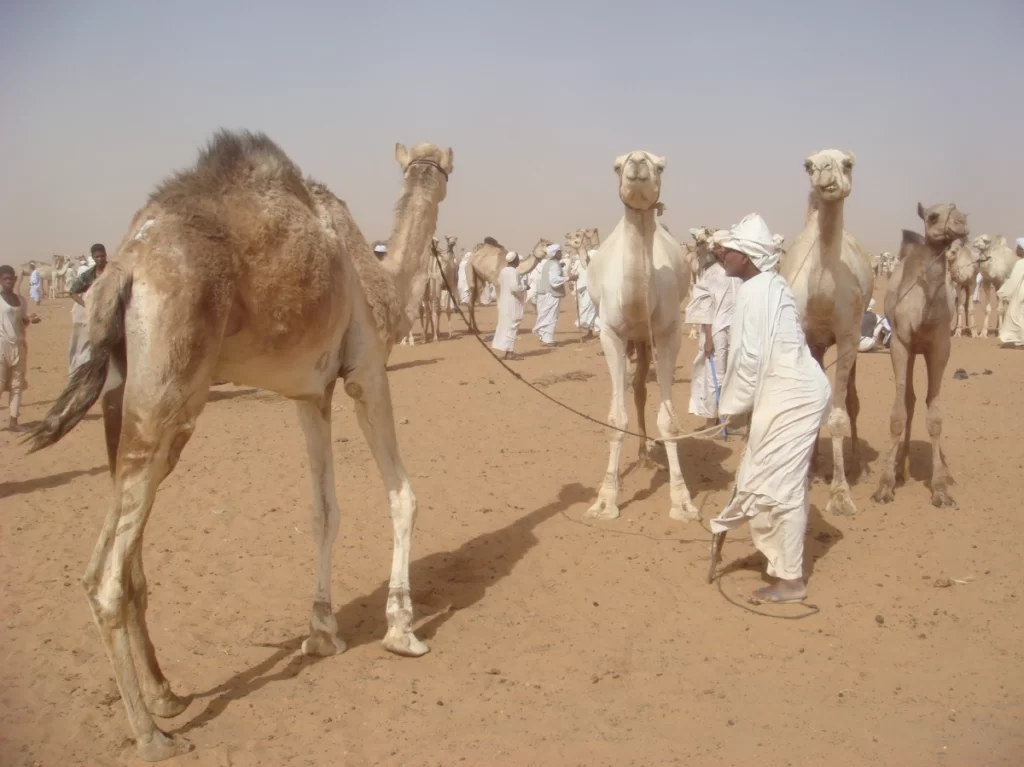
(315, 419)
(368, 387)
(154, 433)
(899, 423)
(605, 507)
(840, 502)
(936, 358)
(910, 402)
(818, 352)
(955, 322)
(682, 508)
(471, 284)
(640, 370)
(853, 410)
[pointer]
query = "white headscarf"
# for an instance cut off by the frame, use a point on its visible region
(381, 249)
(752, 237)
(553, 250)
(591, 253)
(511, 256)
(1020, 242)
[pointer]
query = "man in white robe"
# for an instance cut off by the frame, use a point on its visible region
(510, 307)
(1011, 329)
(711, 306)
(550, 292)
(588, 320)
(463, 279)
(770, 372)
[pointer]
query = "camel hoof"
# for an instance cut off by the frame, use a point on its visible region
(161, 746)
(168, 706)
(943, 500)
(884, 495)
(320, 644)
(406, 644)
(685, 512)
(602, 510)
(841, 505)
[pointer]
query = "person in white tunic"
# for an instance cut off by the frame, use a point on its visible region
(463, 279)
(550, 292)
(533, 282)
(770, 372)
(79, 347)
(711, 306)
(510, 307)
(35, 284)
(588, 320)
(13, 349)
(1011, 329)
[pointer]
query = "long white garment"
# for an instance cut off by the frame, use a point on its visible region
(534, 283)
(977, 288)
(712, 302)
(771, 372)
(488, 295)
(79, 348)
(510, 310)
(35, 286)
(549, 298)
(588, 312)
(13, 352)
(1011, 329)
(463, 280)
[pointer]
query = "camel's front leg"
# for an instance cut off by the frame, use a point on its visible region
(839, 501)
(315, 419)
(643, 365)
(936, 358)
(606, 505)
(682, 508)
(903, 374)
(368, 387)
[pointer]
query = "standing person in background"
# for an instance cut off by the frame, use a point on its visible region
(510, 308)
(35, 283)
(13, 347)
(79, 349)
(550, 292)
(589, 321)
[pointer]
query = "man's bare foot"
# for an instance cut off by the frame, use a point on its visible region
(782, 592)
(13, 425)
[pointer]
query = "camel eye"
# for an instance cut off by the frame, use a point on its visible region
(933, 217)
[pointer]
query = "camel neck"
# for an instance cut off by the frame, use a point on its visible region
(830, 230)
(638, 251)
(415, 222)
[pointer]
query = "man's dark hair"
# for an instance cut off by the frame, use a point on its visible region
(97, 248)
(5, 270)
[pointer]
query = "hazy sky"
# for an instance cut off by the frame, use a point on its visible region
(99, 101)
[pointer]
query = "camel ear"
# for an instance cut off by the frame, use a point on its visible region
(851, 158)
(808, 165)
(920, 211)
(659, 162)
(448, 160)
(402, 155)
(620, 161)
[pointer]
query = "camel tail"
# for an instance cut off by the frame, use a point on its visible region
(108, 300)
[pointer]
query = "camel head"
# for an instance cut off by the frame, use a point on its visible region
(701, 234)
(540, 249)
(982, 243)
(450, 241)
(778, 239)
(831, 174)
(943, 223)
(639, 179)
(423, 161)
(575, 239)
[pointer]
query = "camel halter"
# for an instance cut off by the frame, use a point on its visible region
(432, 164)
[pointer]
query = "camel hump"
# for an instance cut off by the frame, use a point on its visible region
(234, 160)
(492, 242)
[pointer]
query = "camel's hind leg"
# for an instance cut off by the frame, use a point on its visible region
(471, 283)
(899, 419)
(853, 410)
(936, 357)
(606, 505)
(682, 507)
(640, 370)
(156, 428)
(368, 387)
(315, 418)
(839, 501)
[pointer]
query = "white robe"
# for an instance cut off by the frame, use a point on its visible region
(548, 304)
(488, 295)
(771, 372)
(534, 283)
(79, 348)
(588, 312)
(510, 310)
(35, 286)
(712, 302)
(1011, 329)
(463, 281)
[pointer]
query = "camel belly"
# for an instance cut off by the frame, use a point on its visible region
(296, 373)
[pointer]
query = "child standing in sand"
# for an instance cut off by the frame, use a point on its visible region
(13, 319)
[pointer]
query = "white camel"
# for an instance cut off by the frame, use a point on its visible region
(637, 280)
(997, 261)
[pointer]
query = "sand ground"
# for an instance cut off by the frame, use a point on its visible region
(555, 640)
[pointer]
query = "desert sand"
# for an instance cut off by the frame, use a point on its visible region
(555, 640)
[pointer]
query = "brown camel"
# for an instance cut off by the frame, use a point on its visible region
(485, 264)
(963, 264)
(239, 269)
(437, 298)
(919, 307)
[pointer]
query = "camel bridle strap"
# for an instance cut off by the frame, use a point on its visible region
(431, 163)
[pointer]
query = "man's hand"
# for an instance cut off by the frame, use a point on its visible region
(709, 344)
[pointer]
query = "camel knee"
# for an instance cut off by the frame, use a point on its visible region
(107, 599)
(934, 422)
(838, 422)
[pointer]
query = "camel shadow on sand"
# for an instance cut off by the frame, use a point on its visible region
(443, 583)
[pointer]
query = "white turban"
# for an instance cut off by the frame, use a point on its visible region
(381, 249)
(511, 256)
(871, 305)
(591, 253)
(553, 250)
(752, 237)
(1020, 242)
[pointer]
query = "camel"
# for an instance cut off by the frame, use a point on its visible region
(437, 297)
(962, 266)
(45, 271)
(997, 260)
(697, 259)
(919, 307)
(63, 273)
(779, 239)
(831, 279)
(638, 279)
(485, 264)
(239, 269)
